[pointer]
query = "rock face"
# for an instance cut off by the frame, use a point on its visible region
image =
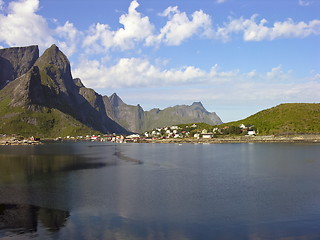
(15, 62)
(135, 119)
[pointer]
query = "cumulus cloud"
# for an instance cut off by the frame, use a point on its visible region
(179, 27)
(99, 38)
(136, 29)
(304, 3)
(23, 26)
(254, 30)
(68, 38)
(140, 72)
(134, 72)
(20, 25)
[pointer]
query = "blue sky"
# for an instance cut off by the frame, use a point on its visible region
(236, 57)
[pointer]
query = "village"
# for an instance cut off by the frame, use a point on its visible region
(184, 131)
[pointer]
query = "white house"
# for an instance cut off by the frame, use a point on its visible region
(207, 135)
(251, 133)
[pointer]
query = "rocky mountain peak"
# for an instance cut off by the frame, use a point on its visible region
(53, 56)
(198, 106)
(115, 100)
(56, 65)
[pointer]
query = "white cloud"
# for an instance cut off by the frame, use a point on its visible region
(277, 74)
(68, 38)
(259, 31)
(220, 1)
(137, 72)
(179, 27)
(136, 28)
(99, 39)
(22, 26)
(304, 3)
(134, 72)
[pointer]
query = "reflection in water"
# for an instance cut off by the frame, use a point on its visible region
(160, 191)
(123, 157)
(21, 167)
(21, 219)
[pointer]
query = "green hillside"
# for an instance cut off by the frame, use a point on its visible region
(285, 119)
(40, 122)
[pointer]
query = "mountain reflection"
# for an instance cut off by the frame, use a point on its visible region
(26, 218)
(15, 168)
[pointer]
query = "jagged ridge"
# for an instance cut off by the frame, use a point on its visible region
(135, 119)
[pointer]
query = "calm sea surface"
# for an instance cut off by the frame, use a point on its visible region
(90, 190)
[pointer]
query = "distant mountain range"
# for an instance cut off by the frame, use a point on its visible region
(39, 96)
(135, 119)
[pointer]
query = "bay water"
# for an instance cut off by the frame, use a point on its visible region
(98, 190)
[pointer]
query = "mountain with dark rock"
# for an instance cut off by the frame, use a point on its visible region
(15, 62)
(39, 96)
(47, 101)
(135, 119)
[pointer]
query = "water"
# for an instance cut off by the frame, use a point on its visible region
(89, 190)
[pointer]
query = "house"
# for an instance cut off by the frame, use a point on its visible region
(251, 133)
(197, 135)
(207, 135)
(204, 131)
(134, 136)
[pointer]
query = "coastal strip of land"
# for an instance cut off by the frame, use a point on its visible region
(18, 141)
(301, 138)
(305, 138)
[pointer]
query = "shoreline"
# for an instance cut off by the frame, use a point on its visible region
(299, 138)
(18, 142)
(308, 138)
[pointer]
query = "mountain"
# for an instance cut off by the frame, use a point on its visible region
(39, 96)
(47, 101)
(15, 62)
(135, 119)
(286, 118)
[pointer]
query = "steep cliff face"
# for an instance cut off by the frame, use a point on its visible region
(15, 62)
(129, 116)
(135, 119)
(179, 114)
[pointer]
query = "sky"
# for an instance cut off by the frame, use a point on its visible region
(237, 57)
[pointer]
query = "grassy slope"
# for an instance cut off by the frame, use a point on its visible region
(285, 118)
(43, 122)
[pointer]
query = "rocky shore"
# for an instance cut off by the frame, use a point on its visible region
(312, 138)
(17, 141)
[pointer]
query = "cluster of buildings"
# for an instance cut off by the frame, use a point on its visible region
(167, 132)
(171, 132)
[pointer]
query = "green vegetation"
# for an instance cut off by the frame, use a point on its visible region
(291, 118)
(42, 122)
(287, 118)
